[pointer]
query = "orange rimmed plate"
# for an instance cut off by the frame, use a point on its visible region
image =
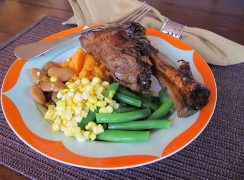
(24, 117)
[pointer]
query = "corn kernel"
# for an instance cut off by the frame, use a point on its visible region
(101, 103)
(56, 127)
(92, 136)
(100, 128)
(108, 100)
(78, 110)
(90, 125)
(96, 80)
(80, 138)
(100, 96)
(85, 95)
(88, 104)
(116, 106)
(53, 79)
(65, 91)
(99, 89)
(86, 134)
(77, 118)
(105, 84)
(89, 88)
(68, 131)
(111, 94)
(93, 108)
(59, 95)
(68, 115)
(71, 123)
(84, 113)
(84, 80)
(92, 99)
(60, 103)
(103, 110)
(77, 82)
(49, 114)
(78, 97)
(71, 94)
(97, 129)
(76, 131)
(109, 109)
(57, 121)
(69, 85)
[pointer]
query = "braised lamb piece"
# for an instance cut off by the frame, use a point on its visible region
(125, 51)
(131, 60)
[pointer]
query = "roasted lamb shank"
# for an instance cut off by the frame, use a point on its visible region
(131, 60)
(188, 94)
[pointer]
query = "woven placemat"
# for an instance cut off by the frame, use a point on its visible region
(218, 153)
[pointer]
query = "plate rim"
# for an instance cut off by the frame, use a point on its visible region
(150, 31)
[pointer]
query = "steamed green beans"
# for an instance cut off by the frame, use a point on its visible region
(163, 109)
(123, 136)
(127, 92)
(125, 109)
(149, 104)
(145, 100)
(141, 125)
(122, 117)
(128, 100)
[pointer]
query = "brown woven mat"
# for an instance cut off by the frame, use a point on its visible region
(218, 153)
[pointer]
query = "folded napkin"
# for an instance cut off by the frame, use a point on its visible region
(215, 49)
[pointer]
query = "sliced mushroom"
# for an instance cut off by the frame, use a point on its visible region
(63, 74)
(37, 74)
(49, 86)
(38, 94)
(50, 64)
(45, 78)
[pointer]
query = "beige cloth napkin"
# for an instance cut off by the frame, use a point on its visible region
(215, 49)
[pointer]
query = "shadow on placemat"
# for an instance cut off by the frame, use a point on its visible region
(216, 154)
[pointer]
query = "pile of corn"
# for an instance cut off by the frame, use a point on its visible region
(74, 103)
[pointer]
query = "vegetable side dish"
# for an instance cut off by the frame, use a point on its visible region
(82, 102)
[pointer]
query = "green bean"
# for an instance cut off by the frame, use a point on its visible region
(149, 104)
(162, 96)
(123, 136)
(146, 101)
(127, 92)
(145, 97)
(125, 109)
(141, 125)
(128, 100)
(163, 109)
(122, 117)
(156, 100)
(113, 87)
(123, 104)
(90, 117)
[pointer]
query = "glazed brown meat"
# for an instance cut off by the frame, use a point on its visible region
(130, 58)
(125, 51)
(188, 94)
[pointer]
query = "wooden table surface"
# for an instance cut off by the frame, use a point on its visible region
(224, 17)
